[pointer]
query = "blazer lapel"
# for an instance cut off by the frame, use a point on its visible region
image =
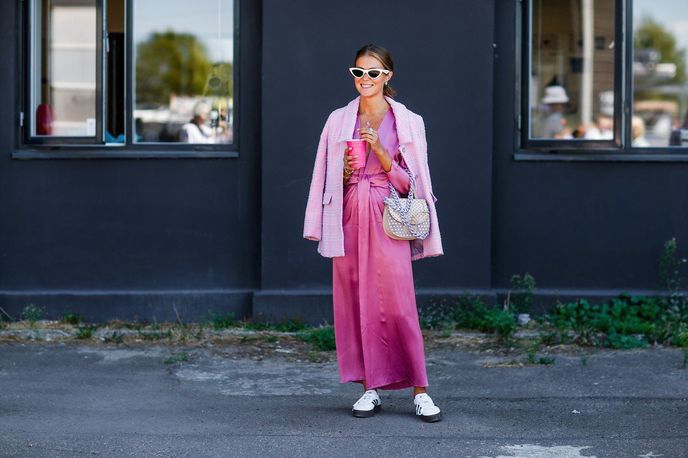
(349, 120)
(401, 116)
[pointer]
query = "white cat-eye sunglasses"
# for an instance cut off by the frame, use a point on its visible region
(373, 73)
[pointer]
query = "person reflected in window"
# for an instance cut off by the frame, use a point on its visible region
(139, 129)
(602, 130)
(196, 130)
(638, 127)
(675, 138)
(554, 124)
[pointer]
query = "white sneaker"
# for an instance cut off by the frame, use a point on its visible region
(425, 408)
(367, 405)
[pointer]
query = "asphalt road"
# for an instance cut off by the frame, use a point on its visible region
(93, 400)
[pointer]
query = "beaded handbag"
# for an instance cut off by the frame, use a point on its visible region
(406, 218)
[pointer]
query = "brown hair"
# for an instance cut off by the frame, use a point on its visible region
(384, 57)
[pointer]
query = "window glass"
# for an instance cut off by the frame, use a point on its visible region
(63, 68)
(572, 69)
(660, 90)
(183, 70)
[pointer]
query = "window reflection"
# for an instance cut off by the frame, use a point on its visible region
(183, 75)
(63, 63)
(660, 89)
(572, 69)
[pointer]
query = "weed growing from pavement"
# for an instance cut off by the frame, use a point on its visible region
(321, 338)
(228, 320)
(555, 337)
(681, 339)
(198, 334)
(669, 278)
(531, 348)
(624, 322)
(176, 358)
(315, 357)
(546, 360)
(222, 320)
(115, 337)
(257, 325)
(72, 318)
(292, 325)
(32, 313)
(271, 338)
(520, 297)
(468, 312)
(530, 354)
(85, 332)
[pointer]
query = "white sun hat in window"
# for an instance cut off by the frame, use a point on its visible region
(202, 108)
(555, 94)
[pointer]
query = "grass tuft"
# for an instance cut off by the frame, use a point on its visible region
(321, 338)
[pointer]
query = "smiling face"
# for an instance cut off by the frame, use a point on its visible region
(367, 86)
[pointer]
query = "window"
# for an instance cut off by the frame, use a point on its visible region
(589, 86)
(130, 74)
(182, 68)
(64, 90)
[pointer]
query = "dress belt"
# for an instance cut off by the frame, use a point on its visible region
(377, 180)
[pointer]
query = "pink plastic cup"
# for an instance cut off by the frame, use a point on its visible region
(358, 148)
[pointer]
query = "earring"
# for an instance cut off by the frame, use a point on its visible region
(386, 83)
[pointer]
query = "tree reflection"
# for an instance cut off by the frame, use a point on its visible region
(174, 73)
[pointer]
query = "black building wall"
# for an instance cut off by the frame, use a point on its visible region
(156, 237)
(443, 71)
(130, 237)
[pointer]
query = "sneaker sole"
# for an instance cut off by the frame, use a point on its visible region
(431, 418)
(366, 413)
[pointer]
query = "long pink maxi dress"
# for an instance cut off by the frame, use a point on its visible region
(377, 333)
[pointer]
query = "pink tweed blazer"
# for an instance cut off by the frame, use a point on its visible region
(323, 220)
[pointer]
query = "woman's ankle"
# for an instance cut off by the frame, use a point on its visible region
(418, 390)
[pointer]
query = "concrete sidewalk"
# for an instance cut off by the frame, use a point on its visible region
(97, 400)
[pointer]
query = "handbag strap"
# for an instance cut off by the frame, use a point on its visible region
(412, 187)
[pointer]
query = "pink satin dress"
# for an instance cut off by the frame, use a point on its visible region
(377, 332)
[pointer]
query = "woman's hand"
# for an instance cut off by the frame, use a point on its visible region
(370, 135)
(349, 161)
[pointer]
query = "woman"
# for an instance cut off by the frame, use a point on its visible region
(377, 333)
(196, 130)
